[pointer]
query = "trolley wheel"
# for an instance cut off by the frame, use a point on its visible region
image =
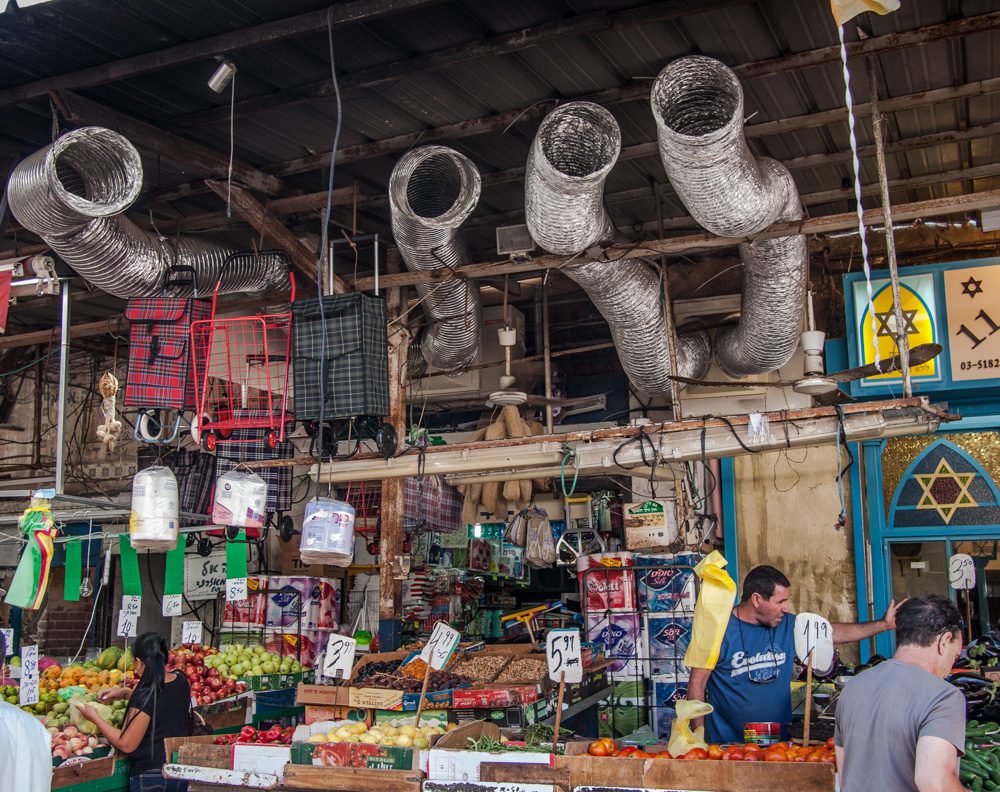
(386, 440)
(272, 439)
(211, 441)
(150, 426)
(286, 528)
(191, 539)
(204, 547)
(232, 532)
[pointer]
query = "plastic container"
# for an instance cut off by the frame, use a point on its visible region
(155, 520)
(327, 532)
(240, 500)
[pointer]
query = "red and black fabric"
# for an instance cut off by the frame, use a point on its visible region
(159, 355)
(195, 474)
(250, 445)
(431, 504)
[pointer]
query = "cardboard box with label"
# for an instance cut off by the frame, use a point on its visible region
(650, 523)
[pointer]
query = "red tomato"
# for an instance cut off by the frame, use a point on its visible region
(715, 751)
(753, 756)
(733, 754)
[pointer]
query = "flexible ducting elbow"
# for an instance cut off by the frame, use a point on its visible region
(698, 106)
(574, 150)
(72, 194)
(432, 191)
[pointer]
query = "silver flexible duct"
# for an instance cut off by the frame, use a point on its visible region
(698, 106)
(72, 194)
(432, 191)
(575, 148)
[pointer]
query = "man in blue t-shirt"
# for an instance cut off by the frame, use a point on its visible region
(751, 683)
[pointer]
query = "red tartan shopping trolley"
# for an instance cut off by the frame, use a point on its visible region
(241, 372)
(160, 379)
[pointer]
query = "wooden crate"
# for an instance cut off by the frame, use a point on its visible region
(351, 779)
(68, 775)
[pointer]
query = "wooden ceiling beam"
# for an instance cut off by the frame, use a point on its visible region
(339, 14)
(202, 159)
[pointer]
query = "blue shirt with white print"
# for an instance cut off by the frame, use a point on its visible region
(751, 652)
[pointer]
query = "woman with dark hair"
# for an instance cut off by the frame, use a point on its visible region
(160, 707)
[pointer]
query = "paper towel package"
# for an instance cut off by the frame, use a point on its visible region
(607, 582)
(667, 691)
(622, 638)
(667, 636)
(664, 582)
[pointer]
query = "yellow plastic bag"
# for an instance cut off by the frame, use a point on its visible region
(682, 739)
(845, 10)
(711, 612)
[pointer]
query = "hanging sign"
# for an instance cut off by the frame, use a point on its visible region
(971, 295)
(28, 693)
(8, 640)
(173, 604)
(236, 589)
(814, 634)
(562, 651)
(442, 643)
(339, 658)
(204, 576)
(961, 571)
(128, 616)
(191, 632)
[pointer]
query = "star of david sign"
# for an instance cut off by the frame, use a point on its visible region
(945, 491)
(886, 318)
(972, 287)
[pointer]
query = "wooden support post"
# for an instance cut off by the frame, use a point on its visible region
(809, 701)
(559, 710)
(391, 540)
(423, 694)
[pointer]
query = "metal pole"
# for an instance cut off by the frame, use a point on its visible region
(902, 340)
(63, 383)
(547, 355)
(668, 316)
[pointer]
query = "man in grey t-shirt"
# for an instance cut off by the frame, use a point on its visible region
(900, 726)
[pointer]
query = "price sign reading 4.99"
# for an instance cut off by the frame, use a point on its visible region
(814, 634)
(339, 659)
(562, 650)
(440, 646)
(961, 571)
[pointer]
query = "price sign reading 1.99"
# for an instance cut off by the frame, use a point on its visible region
(562, 651)
(440, 646)
(814, 635)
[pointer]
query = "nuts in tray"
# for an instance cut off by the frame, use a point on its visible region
(481, 668)
(524, 669)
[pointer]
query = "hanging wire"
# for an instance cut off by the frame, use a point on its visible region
(856, 164)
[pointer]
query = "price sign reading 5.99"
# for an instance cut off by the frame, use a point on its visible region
(562, 651)
(440, 646)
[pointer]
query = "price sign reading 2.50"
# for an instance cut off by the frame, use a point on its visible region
(562, 651)
(440, 646)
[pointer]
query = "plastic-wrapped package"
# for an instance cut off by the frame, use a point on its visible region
(327, 532)
(155, 518)
(240, 500)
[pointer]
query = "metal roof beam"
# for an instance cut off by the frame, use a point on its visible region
(203, 49)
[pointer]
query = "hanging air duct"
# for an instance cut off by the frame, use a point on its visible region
(698, 106)
(575, 148)
(432, 191)
(72, 194)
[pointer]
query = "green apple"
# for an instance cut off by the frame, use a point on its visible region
(269, 667)
(224, 669)
(239, 669)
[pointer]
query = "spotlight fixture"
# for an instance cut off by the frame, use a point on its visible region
(222, 75)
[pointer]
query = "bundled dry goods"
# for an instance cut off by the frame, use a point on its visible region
(524, 669)
(481, 668)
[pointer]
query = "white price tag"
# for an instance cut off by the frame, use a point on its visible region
(442, 643)
(8, 640)
(191, 632)
(28, 694)
(339, 659)
(128, 616)
(814, 634)
(562, 651)
(172, 604)
(236, 589)
(961, 571)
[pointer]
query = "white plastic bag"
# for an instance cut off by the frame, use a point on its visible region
(540, 546)
(240, 500)
(154, 521)
(327, 533)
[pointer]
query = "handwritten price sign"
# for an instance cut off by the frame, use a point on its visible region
(339, 659)
(443, 642)
(961, 571)
(562, 651)
(814, 634)
(128, 616)
(191, 632)
(172, 604)
(8, 640)
(28, 694)
(236, 589)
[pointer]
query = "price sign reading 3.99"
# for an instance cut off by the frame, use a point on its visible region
(339, 659)
(440, 646)
(814, 634)
(562, 651)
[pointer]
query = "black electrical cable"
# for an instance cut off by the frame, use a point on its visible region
(739, 440)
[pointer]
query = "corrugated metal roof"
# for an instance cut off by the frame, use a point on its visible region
(67, 35)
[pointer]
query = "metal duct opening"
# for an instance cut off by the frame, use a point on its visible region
(574, 150)
(698, 106)
(432, 191)
(72, 194)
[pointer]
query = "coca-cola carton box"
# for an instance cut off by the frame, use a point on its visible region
(607, 582)
(622, 638)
